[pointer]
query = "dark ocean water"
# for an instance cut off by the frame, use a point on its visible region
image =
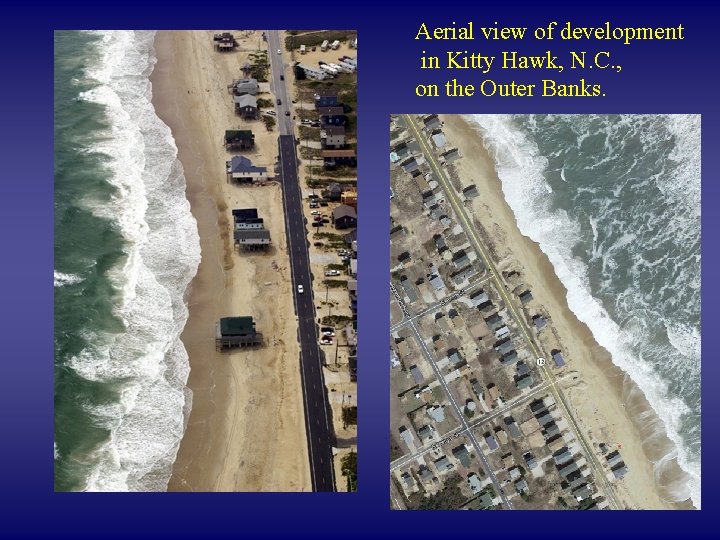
(126, 247)
(614, 201)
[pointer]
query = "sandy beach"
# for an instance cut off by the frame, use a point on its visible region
(245, 431)
(610, 406)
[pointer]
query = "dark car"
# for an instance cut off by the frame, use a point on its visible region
(282, 77)
(279, 102)
(287, 113)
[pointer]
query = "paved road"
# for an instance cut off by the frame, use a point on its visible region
(461, 416)
(318, 417)
(284, 123)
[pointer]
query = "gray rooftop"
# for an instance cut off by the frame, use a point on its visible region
(251, 234)
(437, 413)
(241, 164)
(245, 101)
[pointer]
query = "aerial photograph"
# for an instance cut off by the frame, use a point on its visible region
(205, 279)
(545, 312)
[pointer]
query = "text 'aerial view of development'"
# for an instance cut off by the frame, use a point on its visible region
(206, 260)
(545, 312)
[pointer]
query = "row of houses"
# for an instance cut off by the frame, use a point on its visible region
(333, 120)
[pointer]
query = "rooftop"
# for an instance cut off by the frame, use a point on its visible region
(241, 164)
(237, 326)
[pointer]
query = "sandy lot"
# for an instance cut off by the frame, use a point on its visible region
(246, 428)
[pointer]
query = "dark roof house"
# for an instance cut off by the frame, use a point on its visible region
(344, 217)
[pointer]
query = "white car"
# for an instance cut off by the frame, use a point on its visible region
(271, 113)
(328, 335)
(279, 51)
(300, 289)
(315, 213)
(332, 272)
(326, 341)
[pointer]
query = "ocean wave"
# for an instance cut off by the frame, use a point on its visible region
(522, 168)
(146, 364)
(62, 279)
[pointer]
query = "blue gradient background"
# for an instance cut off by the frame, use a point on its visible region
(661, 77)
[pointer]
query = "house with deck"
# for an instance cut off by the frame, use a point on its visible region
(242, 87)
(246, 107)
(337, 158)
(332, 136)
(325, 97)
(239, 139)
(236, 332)
(241, 170)
(334, 116)
(224, 42)
(344, 217)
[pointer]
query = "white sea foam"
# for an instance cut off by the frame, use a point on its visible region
(521, 169)
(147, 364)
(62, 279)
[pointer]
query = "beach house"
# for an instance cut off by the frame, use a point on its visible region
(236, 332)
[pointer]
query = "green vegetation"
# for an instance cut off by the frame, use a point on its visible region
(269, 122)
(307, 132)
(349, 470)
(448, 498)
(335, 320)
(339, 175)
(309, 153)
(304, 114)
(260, 65)
(349, 415)
(330, 236)
(334, 283)
(264, 103)
(395, 453)
(334, 266)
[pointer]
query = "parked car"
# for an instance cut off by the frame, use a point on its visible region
(332, 273)
(329, 334)
(313, 205)
(271, 113)
(326, 341)
(315, 212)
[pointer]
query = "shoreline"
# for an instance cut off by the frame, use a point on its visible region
(245, 430)
(629, 419)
